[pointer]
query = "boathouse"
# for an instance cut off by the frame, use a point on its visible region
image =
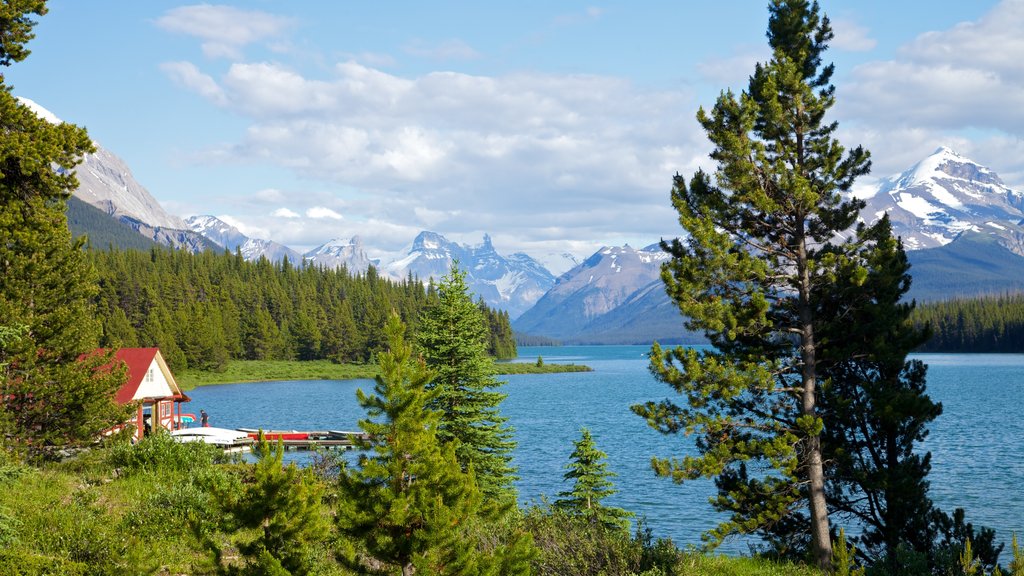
(152, 386)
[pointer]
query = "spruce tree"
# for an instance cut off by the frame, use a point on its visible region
(453, 338)
(408, 504)
(52, 399)
(761, 243)
(590, 476)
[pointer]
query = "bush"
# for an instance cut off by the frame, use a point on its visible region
(577, 545)
(160, 452)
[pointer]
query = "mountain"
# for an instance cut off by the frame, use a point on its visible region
(229, 238)
(944, 196)
(613, 297)
(106, 183)
(972, 265)
(512, 283)
(338, 253)
(101, 230)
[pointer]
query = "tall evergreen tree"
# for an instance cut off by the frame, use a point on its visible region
(453, 338)
(760, 246)
(53, 400)
(408, 504)
(589, 473)
(876, 405)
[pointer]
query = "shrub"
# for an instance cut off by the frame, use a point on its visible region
(162, 452)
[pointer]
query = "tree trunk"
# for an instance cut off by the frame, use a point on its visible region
(821, 542)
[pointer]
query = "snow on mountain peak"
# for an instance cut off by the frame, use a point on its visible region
(40, 111)
(942, 196)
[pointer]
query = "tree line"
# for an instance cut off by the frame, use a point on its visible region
(985, 324)
(205, 309)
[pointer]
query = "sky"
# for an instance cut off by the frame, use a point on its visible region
(552, 126)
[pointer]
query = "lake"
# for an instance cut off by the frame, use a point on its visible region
(977, 444)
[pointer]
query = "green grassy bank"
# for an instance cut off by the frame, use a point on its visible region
(266, 370)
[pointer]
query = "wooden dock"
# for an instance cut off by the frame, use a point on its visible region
(309, 439)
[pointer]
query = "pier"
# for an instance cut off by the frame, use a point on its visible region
(309, 440)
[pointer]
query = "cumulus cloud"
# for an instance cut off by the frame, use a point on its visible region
(285, 213)
(320, 212)
(942, 87)
(187, 75)
(223, 30)
(851, 37)
(586, 155)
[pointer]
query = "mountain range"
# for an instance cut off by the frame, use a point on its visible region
(962, 226)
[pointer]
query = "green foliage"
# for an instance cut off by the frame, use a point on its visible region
(843, 558)
(408, 504)
(758, 250)
(540, 361)
(589, 474)
(161, 453)
(205, 310)
(16, 25)
(278, 516)
(50, 400)
(453, 340)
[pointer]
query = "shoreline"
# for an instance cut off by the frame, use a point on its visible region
(250, 371)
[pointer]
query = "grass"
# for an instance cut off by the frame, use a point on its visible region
(267, 370)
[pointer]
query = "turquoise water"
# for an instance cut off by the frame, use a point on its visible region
(977, 445)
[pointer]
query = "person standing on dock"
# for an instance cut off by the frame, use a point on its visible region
(204, 418)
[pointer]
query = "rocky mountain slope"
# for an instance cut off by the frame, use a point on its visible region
(945, 195)
(512, 283)
(106, 183)
(229, 238)
(615, 296)
(338, 253)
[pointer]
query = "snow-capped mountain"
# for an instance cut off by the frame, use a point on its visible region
(338, 253)
(945, 195)
(583, 301)
(231, 239)
(513, 283)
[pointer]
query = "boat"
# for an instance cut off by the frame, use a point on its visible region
(223, 437)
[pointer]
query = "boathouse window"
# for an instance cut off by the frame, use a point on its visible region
(149, 375)
(165, 409)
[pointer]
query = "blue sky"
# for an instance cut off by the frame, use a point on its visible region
(552, 126)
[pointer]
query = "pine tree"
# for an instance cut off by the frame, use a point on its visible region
(283, 505)
(590, 476)
(876, 405)
(409, 503)
(453, 338)
(760, 246)
(53, 400)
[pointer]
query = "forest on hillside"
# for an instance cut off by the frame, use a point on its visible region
(203, 310)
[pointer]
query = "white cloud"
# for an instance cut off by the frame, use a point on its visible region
(963, 86)
(187, 75)
(465, 154)
(285, 213)
(851, 37)
(224, 30)
(733, 70)
(320, 212)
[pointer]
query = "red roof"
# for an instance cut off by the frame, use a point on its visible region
(138, 360)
